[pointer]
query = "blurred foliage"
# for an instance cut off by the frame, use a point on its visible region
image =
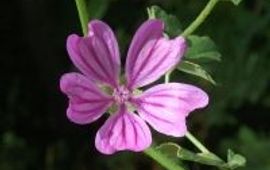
(15, 154)
(34, 131)
(254, 146)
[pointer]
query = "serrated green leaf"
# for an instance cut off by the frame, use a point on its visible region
(202, 47)
(195, 69)
(235, 160)
(172, 24)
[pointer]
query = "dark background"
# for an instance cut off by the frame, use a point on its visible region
(34, 131)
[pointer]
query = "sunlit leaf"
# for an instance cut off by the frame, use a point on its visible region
(235, 160)
(195, 69)
(175, 150)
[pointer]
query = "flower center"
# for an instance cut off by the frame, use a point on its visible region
(121, 94)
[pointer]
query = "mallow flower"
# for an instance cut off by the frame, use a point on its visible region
(98, 87)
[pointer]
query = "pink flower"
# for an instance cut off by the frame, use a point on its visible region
(164, 106)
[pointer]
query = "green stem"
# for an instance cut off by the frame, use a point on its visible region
(83, 15)
(200, 18)
(162, 159)
(167, 76)
(197, 143)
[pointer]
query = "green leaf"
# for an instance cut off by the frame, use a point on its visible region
(172, 24)
(235, 160)
(195, 69)
(173, 149)
(202, 47)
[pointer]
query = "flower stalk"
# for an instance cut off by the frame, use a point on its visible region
(197, 143)
(200, 18)
(83, 14)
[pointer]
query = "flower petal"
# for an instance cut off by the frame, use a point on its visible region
(96, 55)
(86, 102)
(151, 55)
(149, 30)
(123, 131)
(166, 106)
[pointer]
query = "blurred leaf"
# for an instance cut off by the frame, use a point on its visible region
(97, 8)
(15, 153)
(195, 69)
(253, 145)
(174, 150)
(235, 160)
(202, 48)
(235, 2)
(172, 24)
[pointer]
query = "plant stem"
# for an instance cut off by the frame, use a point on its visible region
(197, 143)
(83, 15)
(162, 159)
(167, 76)
(200, 18)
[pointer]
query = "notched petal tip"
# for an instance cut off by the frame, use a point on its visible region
(72, 41)
(166, 106)
(72, 79)
(86, 101)
(123, 131)
(182, 43)
(82, 118)
(203, 99)
(179, 129)
(64, 82)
